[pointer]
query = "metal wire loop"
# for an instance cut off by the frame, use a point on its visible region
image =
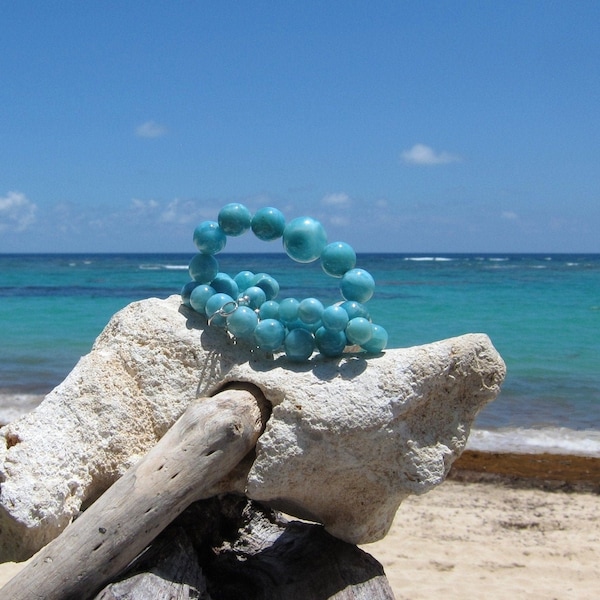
(227, 309)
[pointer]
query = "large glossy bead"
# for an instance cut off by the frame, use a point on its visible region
(335, 318)
(223, 284)
(378, 341)
(288, 310)
(269, 334)
(209, 238)
(186, 292)
(214, 304)
(299, 344)
(359, 331)
(267, 283)
(268, 224)
(242, 323)
(199, 297)
(234, 219)
(304, 239)
(330, 343)
(269, 310)
(253, 297)
(310, 310)
(203, 268)
(358, 285)
(337, 258)
(244, 279)
(355, 309)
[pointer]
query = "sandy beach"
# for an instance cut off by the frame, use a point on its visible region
(502, 526)
(482, 540)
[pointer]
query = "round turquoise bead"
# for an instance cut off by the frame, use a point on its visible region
(358, 285)
(223, 284)
(299, 344)
(297, 327)
(288, 310)
(378, 341)
(200, 296)
(244, 279)
(203, 268)
(337, 258)
(355, 309)
(209, 238)
(269, 310)
(304, 239)
(253, 297)
(310, 310)
(267, 283)
(359, 331)
(234, 219)
(186, 292)
(268, 224)
(214, 304)
(269, 334)
(330, 343)
(335, 318)
(242, 323)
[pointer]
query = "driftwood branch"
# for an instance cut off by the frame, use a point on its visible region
(230, 548)
(204, 445)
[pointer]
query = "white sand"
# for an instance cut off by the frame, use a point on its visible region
(487, 542)
(491, 542)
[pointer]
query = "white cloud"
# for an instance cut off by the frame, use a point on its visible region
(420, 154)
(16, 212)
(179, 213)
(337, 199)
(509, 215)
(143, 206)
(151, 129)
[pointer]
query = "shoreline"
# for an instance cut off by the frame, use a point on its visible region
(541, 470)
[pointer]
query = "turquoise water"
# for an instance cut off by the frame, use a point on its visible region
(541, 312)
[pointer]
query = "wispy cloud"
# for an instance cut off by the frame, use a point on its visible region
(144, 206)
(151, 129)
(17, 212)
(336, 199)
(180, 212)
(420, 154)
(510, 215)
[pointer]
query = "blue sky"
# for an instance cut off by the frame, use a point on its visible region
(402, 126)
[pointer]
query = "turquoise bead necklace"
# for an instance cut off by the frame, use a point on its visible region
(245, 305)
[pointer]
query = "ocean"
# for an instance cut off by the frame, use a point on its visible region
(542, 313)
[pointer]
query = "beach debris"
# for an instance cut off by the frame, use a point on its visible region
(230, 546)
(347, 440)
(211, 437)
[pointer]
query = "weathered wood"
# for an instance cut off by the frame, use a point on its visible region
(204, 445)
(247, 551)
(169, 569)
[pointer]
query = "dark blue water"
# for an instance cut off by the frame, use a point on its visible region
(542, 313)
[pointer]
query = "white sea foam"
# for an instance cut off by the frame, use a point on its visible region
(13, 406)
(554, 440)
(429, 258)
(160, 267)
